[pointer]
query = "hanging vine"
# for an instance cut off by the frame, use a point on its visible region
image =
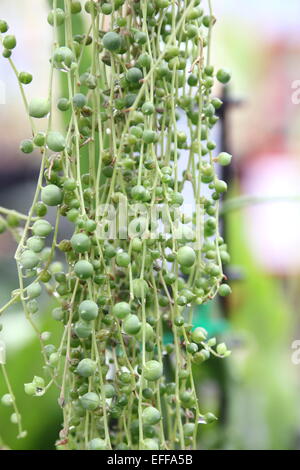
(138, 259)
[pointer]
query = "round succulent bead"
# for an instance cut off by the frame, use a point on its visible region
(140, 288)
(35, 244)
(70, 184)
(153, 370)
(81, 243)
(39, 139)
(148, 108)
(29, 259)
(137, 245)
(121, 310)
(199, 334)
(224, 290)
(83, 329)
(76, 7)
(90, 225)
(210, 418)
(27, 146)
(9, 42)
(134, 75)
(3, 26)
(109, 390)
(6, 53)
(217, 103)
(7, 400)
(192, 80)
(220, 186)
(58, 314)
(149, 137)
(176, 199)
(79, 100)
(51, 195)
(90, 401)
(224, 76)
(34, 290)
(192, 348)
(56, 141)
(33, 306)
(63, 104)
(46, 254)
(25, 78)
(106, 8)
(188, 429)
(144, 60)
(84, 269)
(148, 393)
(53, 358)
(138, 192)
(42, 228)
(131, 325)
(112, 41)
(88, 310)
(123, 259)
(30, 389)
(149, 333)
(140, 37)
(57, 17)
(86, 368)
(151, 415)
(39, 107)
(224, 158)
(63, 56)
(222, 349)
(186, 256)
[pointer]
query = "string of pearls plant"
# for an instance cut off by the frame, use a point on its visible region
(143, 103)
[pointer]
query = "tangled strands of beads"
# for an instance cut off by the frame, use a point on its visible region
(137, 262)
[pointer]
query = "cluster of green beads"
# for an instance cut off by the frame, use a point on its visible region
(144, 102)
